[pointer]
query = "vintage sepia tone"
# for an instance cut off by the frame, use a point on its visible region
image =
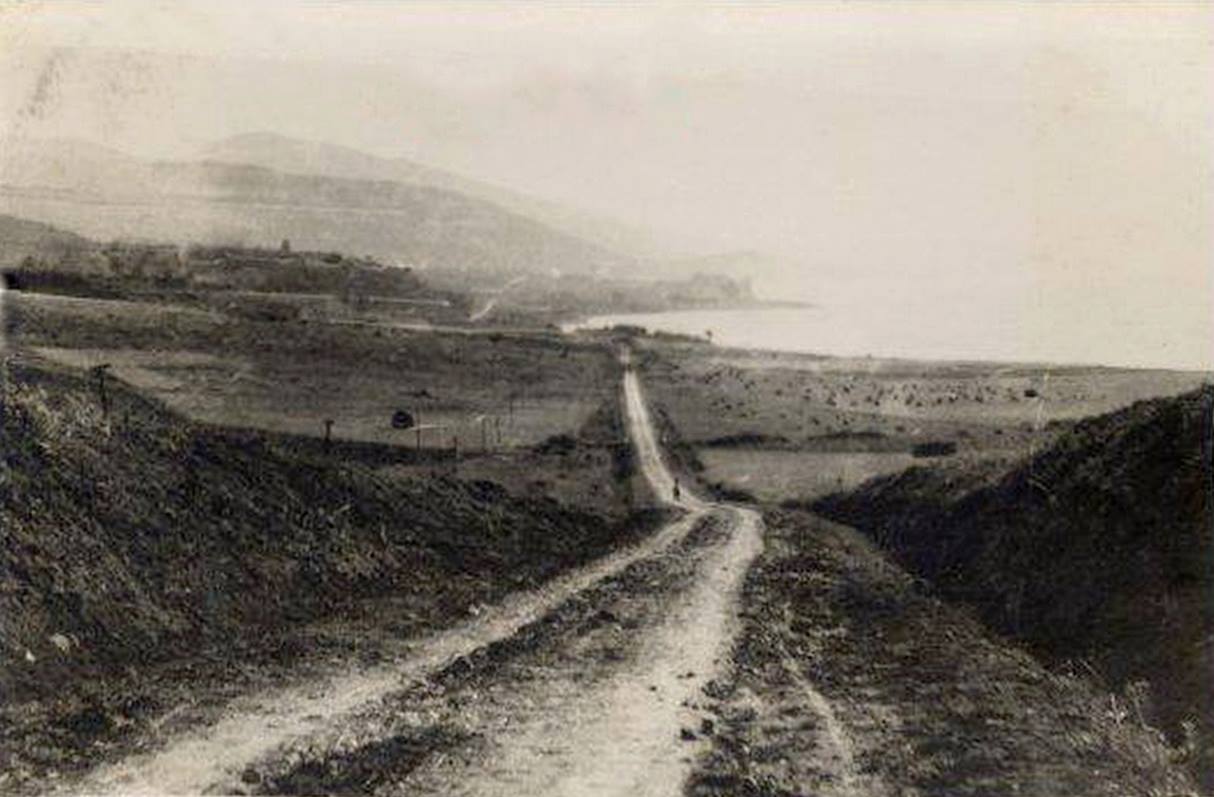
(700, 399)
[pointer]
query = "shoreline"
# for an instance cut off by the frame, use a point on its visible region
(600, 322)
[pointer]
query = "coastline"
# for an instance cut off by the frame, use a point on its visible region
(819, 336)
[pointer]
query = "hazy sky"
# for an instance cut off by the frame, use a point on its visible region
(1045, 171)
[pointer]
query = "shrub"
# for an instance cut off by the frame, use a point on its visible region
(934, 448)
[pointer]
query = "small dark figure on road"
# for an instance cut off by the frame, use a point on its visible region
(677, 492)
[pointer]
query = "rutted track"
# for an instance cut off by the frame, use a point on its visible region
(622, 715)
(611, 735)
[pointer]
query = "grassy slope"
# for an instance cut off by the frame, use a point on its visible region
(1100, 547)
(144, 538)
(929, 701)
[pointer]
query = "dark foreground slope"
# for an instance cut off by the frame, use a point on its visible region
(1099, 549)
(850, 680)
(137, 547)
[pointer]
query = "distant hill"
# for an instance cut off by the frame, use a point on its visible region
(22, 238)
(73, 165)
(296, 156)
(395, 213)
(1100, 548)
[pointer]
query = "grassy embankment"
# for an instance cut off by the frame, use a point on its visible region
(155, 565)
(927, 700)
(1099, 549)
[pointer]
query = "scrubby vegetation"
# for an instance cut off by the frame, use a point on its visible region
(1098, 549)
(927, 700)
(131, 538)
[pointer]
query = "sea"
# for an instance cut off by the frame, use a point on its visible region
(888, 332)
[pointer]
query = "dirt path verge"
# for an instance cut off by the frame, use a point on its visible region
(849, 679)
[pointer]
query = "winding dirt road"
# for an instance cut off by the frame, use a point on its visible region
(716, 657)
(588, 686)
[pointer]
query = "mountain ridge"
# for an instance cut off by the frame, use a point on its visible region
(104, 194)
(286, 153)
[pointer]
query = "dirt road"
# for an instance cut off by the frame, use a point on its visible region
(590, 685)
(723, 655)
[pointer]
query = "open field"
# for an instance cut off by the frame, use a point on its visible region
(792, 426)
(493, 391)
(773, 476)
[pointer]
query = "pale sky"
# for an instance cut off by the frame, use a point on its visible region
(1034, 170)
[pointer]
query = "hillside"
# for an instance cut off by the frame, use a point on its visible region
(135, 544)
(107, 195)
(285, 154)
(1099, 549)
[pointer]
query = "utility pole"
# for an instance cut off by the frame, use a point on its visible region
(102, 393)
(328, 435)
(3, 389)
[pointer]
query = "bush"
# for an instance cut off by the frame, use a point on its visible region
(557, 444)
(934, 448)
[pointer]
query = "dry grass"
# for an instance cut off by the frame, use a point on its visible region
(929, 701)
(484, 390)
(798, 396)
(788, 426)
(147, 562)
(775, 476)
(1097, 548)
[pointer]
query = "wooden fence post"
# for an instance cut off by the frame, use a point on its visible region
(102, 393)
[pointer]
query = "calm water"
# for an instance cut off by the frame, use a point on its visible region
(892, 331)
